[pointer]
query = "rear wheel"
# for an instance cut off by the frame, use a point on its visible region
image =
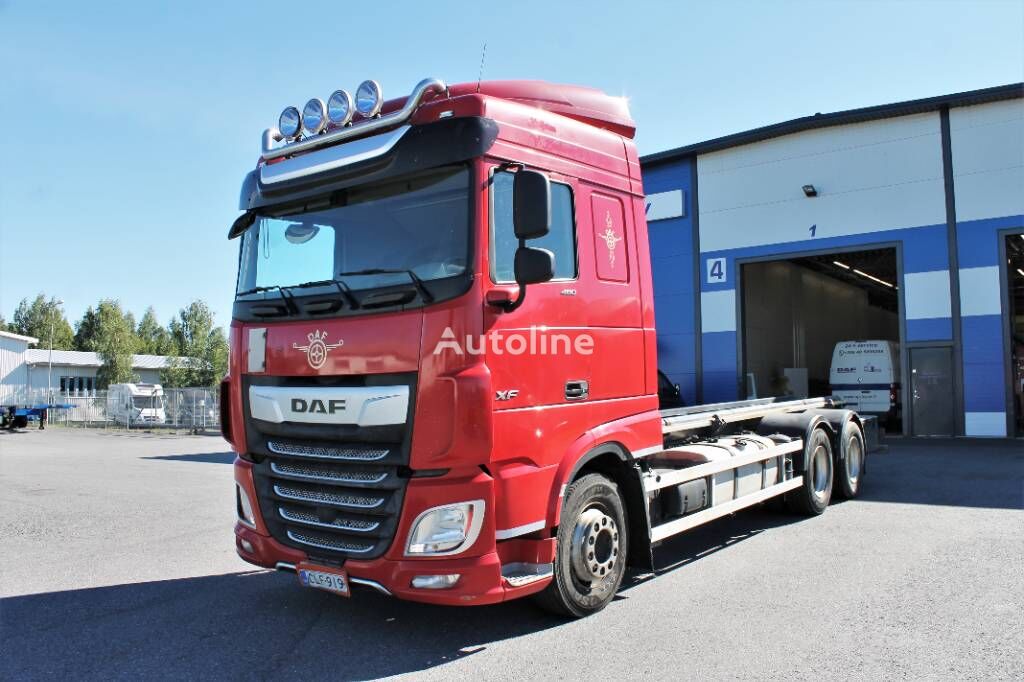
(592, 545)
(814, 495)
(850, 467)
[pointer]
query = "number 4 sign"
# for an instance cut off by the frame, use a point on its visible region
(716, 271)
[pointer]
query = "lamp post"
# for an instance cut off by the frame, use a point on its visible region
(49, 371)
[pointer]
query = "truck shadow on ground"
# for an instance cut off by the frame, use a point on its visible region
(199, 457)
(262, 624)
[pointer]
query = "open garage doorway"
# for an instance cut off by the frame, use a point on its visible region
(1015, 314)
(797, 311)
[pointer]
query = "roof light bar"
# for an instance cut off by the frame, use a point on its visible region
(381, 123)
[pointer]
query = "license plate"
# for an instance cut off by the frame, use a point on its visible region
(329, 580)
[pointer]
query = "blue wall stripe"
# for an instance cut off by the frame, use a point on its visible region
(977, 240)
(930, 329)
(719, 352)
(984, 387)
(982, 339)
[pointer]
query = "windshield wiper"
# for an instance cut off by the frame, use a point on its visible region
(286, 296)
(344, 289)
(416, 281)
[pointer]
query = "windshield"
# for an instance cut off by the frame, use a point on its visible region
(419, 223)
(146, 402)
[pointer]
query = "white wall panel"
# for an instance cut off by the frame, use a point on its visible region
(718, 311)
(985, 424)
(988, 159)
(870, 176)
(926, 294)
(979, 291)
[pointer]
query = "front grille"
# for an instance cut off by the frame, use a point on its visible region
(332, 491)
(327, 474)
(351, 454)
(321, 541)
(330, 498)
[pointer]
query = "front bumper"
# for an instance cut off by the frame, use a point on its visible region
(480, 568)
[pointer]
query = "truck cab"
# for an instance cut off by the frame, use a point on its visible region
(443, 378)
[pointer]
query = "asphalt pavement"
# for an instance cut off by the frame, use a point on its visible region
(117, 561)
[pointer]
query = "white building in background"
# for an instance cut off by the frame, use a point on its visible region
(13, 368)
(25, 371)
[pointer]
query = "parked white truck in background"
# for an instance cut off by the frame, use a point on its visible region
(136, 404)
(865, 375)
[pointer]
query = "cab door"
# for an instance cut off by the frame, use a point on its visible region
(539, 355)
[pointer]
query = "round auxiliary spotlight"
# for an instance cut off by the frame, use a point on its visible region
(314, 116)
(369, 98)
(290, 123)
(340, 108)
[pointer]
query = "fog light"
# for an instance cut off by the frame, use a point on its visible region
(369, 99)
(290, 123)
(244, 507)
(448, 529)
(435, 582)
(247, 546)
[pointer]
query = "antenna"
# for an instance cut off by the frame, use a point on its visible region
(480, 77)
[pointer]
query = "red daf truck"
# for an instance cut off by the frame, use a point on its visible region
(444, 378)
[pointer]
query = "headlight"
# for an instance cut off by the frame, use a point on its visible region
(448, 529)
(369, 99)
(290, 123)
(314, 116)
(244, 507)
(340, 108)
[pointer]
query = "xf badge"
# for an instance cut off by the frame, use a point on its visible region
(506, 395)
(316, 351)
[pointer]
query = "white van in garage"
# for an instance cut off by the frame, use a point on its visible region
(866, 376)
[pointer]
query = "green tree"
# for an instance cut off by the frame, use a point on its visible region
(86, 331)
(115, 342)
(203, 348)
(3, 325)
(153, 338)
(38, 317)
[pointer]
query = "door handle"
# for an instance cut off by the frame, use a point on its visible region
(577, 390)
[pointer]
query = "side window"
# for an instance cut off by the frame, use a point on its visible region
(561, 240)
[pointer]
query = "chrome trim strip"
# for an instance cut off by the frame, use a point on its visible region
(331, 479)
(271, 135)
(324, 160)
(317, 500)
(293, 538)
(288, 516)
(284, 566)
(519, 530)
(304, 451)
(646, 452)
(370, 583)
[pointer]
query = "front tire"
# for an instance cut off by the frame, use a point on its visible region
(813, 496)
(592, 545)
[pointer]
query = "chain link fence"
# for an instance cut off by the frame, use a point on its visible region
(191, 409)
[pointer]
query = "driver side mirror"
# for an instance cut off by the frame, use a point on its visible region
(533, 266)
(531, 205)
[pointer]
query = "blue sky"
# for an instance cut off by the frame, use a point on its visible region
(129, 125)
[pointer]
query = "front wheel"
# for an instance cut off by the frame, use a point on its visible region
(592, 544)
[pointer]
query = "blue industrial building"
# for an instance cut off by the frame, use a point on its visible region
(901, 221)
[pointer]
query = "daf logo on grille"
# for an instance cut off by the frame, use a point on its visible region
(316, 406)
(316, 351)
